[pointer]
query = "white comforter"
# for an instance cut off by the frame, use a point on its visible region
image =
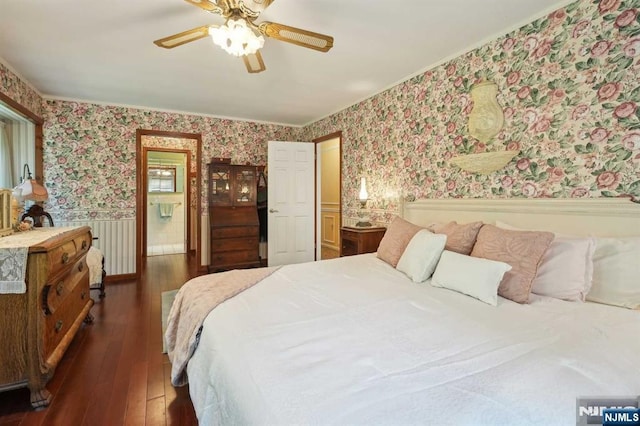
(353, 341)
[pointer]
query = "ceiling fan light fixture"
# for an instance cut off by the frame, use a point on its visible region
(236, 38)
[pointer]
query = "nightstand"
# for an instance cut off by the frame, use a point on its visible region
(360, 240)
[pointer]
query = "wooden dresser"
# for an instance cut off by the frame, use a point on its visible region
(360, 240)
(233, 216)
(37, 326)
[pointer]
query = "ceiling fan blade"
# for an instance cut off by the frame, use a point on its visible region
(183, 37)
(254, 62)
(297, 36)
(216, 6)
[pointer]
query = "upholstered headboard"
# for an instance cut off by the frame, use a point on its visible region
(614, 217)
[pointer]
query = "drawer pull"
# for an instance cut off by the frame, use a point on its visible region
(84, 244)
(83, 295)
(58, 326)
(65, 258)
(45, 301)
(59, 288)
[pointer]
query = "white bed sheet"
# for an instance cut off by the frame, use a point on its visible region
(353, 341)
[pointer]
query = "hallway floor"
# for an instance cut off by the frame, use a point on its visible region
(163, 249)
(329, 253)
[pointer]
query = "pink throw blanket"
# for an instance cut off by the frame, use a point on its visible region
(192, 304)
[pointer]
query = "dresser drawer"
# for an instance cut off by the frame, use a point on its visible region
(233, 244)
(83, 243)
(58, 323)
(231, 257)
(234, 232)
(61, 257)
(63, 284)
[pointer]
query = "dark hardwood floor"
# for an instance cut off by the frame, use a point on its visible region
(114, 372)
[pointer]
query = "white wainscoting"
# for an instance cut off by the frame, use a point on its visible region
(349, 221)
(330, 225)
(116, 240)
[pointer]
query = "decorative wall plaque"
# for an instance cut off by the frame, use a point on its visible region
(486, 119)
(485, 122)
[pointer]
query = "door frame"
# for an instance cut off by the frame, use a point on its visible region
(317, 224)
(141, 195)
(187, 192)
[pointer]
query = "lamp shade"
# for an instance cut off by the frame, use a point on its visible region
(364, 195)
(30, 189)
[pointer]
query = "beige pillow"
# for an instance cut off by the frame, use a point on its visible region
(396, 239)
(566, 269)
(523, 250)
(460, 237)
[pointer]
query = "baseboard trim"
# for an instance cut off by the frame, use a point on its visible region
(119, 278)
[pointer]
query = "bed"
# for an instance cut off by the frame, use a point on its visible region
(355, 341)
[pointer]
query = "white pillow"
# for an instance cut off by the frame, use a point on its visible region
(616, 272)
(421, 256)
(473, 276)
(566, 269)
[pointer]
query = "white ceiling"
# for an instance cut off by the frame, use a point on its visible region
(103, 51)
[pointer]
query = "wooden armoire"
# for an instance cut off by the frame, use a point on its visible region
(233, 216)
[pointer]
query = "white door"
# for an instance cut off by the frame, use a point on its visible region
(290, 223)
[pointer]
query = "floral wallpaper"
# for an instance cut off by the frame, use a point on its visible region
(166, 142)
(568, 83)
(16, 89)
(569, 86)
(90, 153)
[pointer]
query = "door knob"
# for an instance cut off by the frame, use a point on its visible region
(273, 211)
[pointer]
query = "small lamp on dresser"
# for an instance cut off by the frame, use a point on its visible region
(31, 190)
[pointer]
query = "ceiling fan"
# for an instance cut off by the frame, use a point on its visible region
(238, 34)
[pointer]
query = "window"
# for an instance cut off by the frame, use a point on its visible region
(17, 146)
(162, 179)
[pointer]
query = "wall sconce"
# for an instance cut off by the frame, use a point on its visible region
(363, 197)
